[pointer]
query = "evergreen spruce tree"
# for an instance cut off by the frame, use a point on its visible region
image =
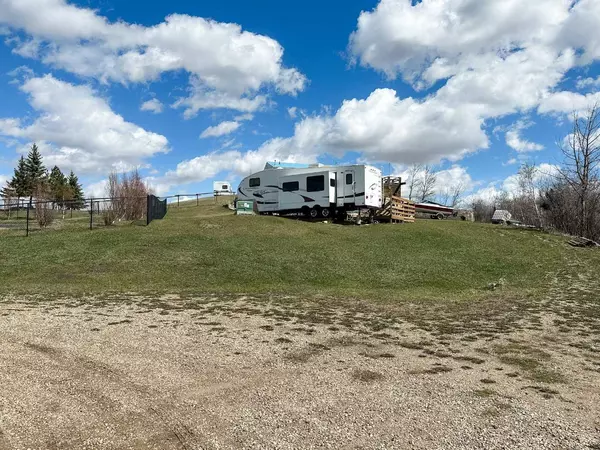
(8, 192)
(35, 172)
(60, 190)
(18, 185)
(76, 191)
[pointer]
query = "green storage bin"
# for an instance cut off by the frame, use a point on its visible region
(245, 207)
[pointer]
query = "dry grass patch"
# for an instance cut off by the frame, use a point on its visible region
(367, 376)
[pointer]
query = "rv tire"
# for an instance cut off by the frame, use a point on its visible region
(314, 212)
(325, 213)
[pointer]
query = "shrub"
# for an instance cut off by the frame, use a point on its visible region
(109, 216)
(43, 207)
(128, 194)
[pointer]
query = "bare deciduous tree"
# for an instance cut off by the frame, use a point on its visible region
(428, 178)
(526, 199)
(457, 191)
(581, 150)
(413, 181)
(452, 195)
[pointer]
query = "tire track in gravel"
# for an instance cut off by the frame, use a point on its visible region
(87, 373)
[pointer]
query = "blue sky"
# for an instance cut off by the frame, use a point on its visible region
(473, 87)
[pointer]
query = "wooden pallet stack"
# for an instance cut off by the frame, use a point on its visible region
(403, 210)
(397, 210)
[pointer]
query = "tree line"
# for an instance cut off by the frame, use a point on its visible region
(567, 200)
(31, 179)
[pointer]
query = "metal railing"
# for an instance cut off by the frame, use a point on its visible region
(27, 215)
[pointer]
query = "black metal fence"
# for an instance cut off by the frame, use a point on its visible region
(26, 216)
(157, 209)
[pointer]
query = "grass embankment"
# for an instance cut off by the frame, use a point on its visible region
(208, 249)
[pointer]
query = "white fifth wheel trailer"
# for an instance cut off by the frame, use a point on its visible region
(315, 191)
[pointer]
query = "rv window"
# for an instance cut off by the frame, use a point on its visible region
(332, 182)
(348, 178)
(254, 182)
(315, 184)
(290, 186)
(224, 187)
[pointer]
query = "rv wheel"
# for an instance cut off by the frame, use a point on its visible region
(440, 216)
(314, 212)
(325, 213)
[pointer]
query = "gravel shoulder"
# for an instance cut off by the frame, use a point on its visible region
(252, 373)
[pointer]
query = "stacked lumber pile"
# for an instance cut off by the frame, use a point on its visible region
(396, 209)
(403, 210)
(582, 242)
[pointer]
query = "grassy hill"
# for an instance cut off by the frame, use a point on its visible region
(208, 249)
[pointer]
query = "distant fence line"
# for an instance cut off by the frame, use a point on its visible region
(24, 214)
(198, 196)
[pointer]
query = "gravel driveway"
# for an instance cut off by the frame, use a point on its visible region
(227, 373)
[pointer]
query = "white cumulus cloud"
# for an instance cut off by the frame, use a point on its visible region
(516, 142)
(385, 127)
(589, 82)
(227, 66)
(221, 129)
(408, 38)
(154, 106)
(498, 57)
(567, 102)
(76, 129)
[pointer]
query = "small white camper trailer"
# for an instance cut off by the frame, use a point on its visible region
(314, 190)
(222, 188)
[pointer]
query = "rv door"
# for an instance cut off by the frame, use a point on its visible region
(332, 187)
(346, 188)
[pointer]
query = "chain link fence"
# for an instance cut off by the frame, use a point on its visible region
(23, 217)
(27, 216)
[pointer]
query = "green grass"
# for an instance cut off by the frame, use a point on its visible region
(207, 249)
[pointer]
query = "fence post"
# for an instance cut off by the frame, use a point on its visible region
(148, 210)
(178, 201)
(91, 213)
(27, 221)
(197, 204)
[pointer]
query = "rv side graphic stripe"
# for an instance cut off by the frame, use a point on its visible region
(307, 199)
